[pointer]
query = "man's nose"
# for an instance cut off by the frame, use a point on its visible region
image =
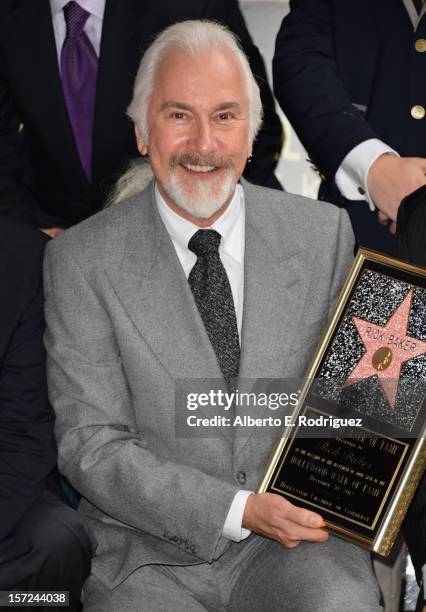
(203, 140)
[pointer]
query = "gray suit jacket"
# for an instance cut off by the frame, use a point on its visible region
(123, 327)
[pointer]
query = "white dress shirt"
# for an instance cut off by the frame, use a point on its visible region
(231, 226)
(414, 16)
(93, 26)
(352, 175)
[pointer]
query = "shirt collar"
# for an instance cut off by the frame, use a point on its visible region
(95, 7)
(228, 225)
(414, 16)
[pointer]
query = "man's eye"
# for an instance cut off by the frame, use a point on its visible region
(224, 116)
(178, 115)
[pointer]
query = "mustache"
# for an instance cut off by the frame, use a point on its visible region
(194, 159)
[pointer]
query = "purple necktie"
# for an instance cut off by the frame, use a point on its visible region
(79, 66)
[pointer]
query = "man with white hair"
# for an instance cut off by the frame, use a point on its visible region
(202, 277)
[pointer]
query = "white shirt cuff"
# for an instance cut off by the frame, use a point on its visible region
(232, 528)
(351, 177)
(424, 581)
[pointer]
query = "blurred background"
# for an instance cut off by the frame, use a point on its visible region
(263, 19)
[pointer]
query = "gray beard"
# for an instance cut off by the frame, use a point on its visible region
(204, 199)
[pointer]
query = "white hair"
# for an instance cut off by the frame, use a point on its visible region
(194, 37)
(134, 180)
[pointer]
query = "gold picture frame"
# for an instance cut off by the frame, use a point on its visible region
(370, 368)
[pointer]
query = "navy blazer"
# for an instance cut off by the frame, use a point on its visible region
(348, 71)
(411, 232)
(27, 443)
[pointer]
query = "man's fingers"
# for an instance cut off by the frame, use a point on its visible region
(291, 533)
(390, 179)
(275, 517)
(419, 161)
(290, 543)
(302, 517)
(53, 232)
(382, 218)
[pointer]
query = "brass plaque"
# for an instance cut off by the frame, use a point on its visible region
(369, 376)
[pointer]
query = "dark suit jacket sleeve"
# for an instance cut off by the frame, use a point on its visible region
(414, 529)
(411, 228)
(269, 141)
(309, 89)
(27, 445)
(15, 200)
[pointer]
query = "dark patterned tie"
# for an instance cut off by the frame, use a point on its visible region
(79, 66)
(212, 292)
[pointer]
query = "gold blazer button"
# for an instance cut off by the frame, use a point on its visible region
(420, 45)
(418, 111)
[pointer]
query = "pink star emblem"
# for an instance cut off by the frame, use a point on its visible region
(386, 349)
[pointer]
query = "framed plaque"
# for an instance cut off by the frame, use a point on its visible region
(355, 451)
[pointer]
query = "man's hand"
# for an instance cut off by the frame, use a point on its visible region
(53, 232)
(274, 517)
(390, 179)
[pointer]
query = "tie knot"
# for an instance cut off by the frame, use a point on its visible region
(75, 18)
(205, 242)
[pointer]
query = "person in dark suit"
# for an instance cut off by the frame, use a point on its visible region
(46, 177)
(357, 102)
(411, 228)
(43, 544)
(410, 233)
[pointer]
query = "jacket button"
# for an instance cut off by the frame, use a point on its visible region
(241, 477)
(420, 45)
(418, 111)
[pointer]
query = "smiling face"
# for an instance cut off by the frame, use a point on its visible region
(198, 120)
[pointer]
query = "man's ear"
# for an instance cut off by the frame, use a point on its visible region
(142, 148)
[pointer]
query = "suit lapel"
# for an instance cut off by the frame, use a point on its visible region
(43, 83)
(120, 53)
(389, 15)
(276, 279)
(153, 289)
(412, 13)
